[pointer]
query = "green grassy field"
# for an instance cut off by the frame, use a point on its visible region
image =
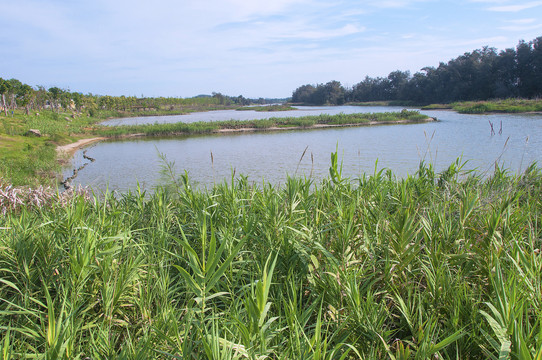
(432, 266)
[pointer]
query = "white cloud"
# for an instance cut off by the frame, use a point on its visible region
(394, 4)
(348, 29)
(257, 7)
(516, 7)
(489, 1)
(522, 21)
(520, 28)
(191, 45)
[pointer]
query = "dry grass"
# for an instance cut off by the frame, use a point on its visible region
(14, 198)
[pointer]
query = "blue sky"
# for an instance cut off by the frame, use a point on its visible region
(252, 48)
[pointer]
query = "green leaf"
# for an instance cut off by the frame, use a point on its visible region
(196, 289)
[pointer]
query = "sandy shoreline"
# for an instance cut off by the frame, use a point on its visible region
(70, 149)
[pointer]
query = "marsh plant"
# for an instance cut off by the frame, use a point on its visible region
(203, 127)
(430, 266)
(15, 198)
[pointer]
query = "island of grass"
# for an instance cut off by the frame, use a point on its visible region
(511, 105)
(267, 108)
(271, 124)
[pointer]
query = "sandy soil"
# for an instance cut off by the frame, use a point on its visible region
(70, 149)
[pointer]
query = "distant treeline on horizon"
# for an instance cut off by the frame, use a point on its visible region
(482, 74)
(14, 94)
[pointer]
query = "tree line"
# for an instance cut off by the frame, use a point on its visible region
(482, 74)
(16, 95)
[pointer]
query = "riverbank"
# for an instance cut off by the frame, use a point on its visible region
(505, 106)
(71, 149)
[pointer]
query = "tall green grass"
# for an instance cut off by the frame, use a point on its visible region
(510, 105)
(429, 266)
(304, 121)
(505, 105)
(276, 107)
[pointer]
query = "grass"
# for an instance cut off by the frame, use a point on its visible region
(383, 103)
(277, 107)
(438, 107)
(494, 106)
(432, 265)
(29, 160)
(286, 122)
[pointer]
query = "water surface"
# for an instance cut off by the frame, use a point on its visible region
(121, 165)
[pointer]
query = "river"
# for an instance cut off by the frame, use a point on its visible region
(271, 156)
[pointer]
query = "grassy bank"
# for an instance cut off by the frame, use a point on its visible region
(433, 266)
(31, 160)
(493, 106)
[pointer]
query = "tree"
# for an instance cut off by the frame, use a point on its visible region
(333, 93)
(77, 100)
(303, 94)
(41, 97)
(26, 96)
(397, 83)
(536, 55)
(106, 102)
(529, 68)
(14, 86)
(4, 88)
(54, 97)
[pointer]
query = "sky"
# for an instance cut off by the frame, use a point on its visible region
(254, 48)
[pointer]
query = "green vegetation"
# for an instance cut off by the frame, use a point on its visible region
(287, 122)
(429, 266)
(437, 107)
(30, 160)
(276, 107)
(383, 103)
(482, 74)
(499, 106)
(511, 105)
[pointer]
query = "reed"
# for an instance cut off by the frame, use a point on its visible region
(274, 122)
(435, 265)
(511, 105)
(267, 108)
